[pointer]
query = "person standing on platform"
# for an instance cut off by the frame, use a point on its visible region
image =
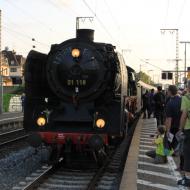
(185, 127)
(159, 99)
(151, 103)
(173, 113)
(145, 104)
(22, 101)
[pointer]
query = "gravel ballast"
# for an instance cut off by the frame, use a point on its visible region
(16, 166)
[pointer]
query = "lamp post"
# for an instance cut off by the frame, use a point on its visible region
(1, 90)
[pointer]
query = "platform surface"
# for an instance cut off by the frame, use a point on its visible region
(5, 117)
(140, 172)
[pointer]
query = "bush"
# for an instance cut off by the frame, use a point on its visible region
(18, 89)
(6, 101)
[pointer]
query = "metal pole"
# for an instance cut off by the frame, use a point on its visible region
(185, 59)
(177, 50)
(177, 56)
(185, 64)
(77, 24)
(84, 18)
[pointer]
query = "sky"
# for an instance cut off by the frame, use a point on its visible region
(133, 26)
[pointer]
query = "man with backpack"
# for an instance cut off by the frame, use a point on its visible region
(173, 113)
(159, 100)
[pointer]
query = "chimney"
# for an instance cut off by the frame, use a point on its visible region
(85, 34)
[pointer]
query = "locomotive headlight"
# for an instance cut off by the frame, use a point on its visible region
(41, 121)
(75, 52)
(100, 123)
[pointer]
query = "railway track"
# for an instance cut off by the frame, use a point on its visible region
(59, 178)
(12, 136)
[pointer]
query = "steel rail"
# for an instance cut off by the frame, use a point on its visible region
(13, 140)
(10, 132)
(38, 180)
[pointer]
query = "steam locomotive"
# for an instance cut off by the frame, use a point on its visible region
(76, 95)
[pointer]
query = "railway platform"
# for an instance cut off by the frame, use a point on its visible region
(10, 116)
(140, 173)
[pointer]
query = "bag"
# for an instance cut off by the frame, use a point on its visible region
(180, 138)
(167, 146)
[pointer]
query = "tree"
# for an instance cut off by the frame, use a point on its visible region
(145, 78)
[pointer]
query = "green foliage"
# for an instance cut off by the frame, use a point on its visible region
(145, 78)
(18, 89)
(6, 101)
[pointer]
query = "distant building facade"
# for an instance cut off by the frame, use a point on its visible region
(12, 67)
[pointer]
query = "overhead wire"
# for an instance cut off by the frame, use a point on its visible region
(166, 14)
(20, 33)
(73, 11)
(151, 64)
(147, 62)
(181, 12)
(111, 14)
(100, 22)
(23, 11)
(119, 27)
(25, 36)
(19, 38)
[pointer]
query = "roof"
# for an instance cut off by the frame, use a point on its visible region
(11, 56)
(130, 69)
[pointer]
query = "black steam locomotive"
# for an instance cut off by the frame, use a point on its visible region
(76, 95)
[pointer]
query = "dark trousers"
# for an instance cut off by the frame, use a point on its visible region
(145, 111)
(158, 159)
(160, 115)
(174, 141)
(181, 164)
(186, 150)
(149, 113)
(151, 153)
(151, 110)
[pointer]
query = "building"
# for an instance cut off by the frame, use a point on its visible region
(15, 66)
(5, 71)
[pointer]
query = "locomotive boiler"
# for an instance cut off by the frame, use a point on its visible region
(75, 94)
